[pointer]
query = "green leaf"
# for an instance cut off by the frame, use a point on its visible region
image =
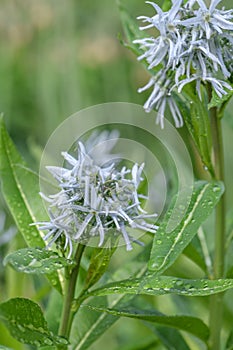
(89, 325)
(54, 310)
(36, 260)
(152, 285)
(168, 336)
(98, 265)
(20, 187)
(25, 321)
(131, 30)
(229, 344)
(196, 117)
(229, 273)
(217, 101)
(168, 246)
(189, 324)
(192, 253)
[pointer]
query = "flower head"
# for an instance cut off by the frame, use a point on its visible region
(195, 43)
(92, 201)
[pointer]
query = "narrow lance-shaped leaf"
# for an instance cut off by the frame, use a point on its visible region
(36, 260)
(217, 101)
(131, 30)
(191, 252)
(161, 285)
(229, 344)
(89, 325)
(25, 321)
(20, 187)
(167, 246)
(196, 117)
(168, 336)
(189, 324)
(98, 265)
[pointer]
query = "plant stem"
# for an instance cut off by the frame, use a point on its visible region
(66, 319)
(216, 303)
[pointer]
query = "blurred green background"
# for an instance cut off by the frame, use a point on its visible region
(56, 58)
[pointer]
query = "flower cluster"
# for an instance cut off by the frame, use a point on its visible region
(195, 43)
(93, 201)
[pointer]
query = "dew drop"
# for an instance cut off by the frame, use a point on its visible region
(155, 265)
(188, 286)
(54, 282)
(36, 343)
(48, 341)
(179, 283)
(21, 340)
(35, 263)
(159, 241)
(30, 326)
(62, 340)
(216, 189)
(58, 264)
(21, 328)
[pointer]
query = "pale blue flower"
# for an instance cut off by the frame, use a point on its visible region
(169, 41)
(161, 99)
(210, 20)
(195, 43)
(94, 201)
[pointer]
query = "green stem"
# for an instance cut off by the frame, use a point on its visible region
(216, 303)
(67, 317)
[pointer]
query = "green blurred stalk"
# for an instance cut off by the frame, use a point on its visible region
(67, 312)
(216, 301)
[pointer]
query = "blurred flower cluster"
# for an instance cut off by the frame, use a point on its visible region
(195, 43)
(94, 200)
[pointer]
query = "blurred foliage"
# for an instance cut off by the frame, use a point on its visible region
(59, 57)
